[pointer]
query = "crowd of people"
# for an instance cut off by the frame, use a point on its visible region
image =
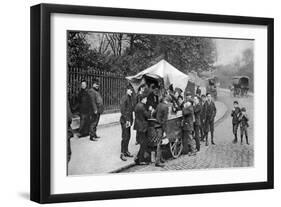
(152, 103)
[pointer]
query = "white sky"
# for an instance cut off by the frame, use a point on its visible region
(228, 49)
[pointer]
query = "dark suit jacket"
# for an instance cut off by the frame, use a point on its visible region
(96, 101)
(162, 114)
(141, 116)
(126, 108)
(210, 110)
(197, 114)
(188, 113)
(202, 113)
(84, 101)
(152, 100)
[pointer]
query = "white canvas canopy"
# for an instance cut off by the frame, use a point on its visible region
(164, 70)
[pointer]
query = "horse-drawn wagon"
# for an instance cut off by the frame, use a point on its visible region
(240, 85)
(212, 87)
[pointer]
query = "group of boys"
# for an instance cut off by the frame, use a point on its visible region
(198, 112)
(198, 120)
(239, 117)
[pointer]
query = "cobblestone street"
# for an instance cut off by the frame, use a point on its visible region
(224, 154)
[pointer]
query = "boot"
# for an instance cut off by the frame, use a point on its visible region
(122, 157)
(241, 139)
(247, 141)
(206, 142)
(235, 139)
(159, 164)
(92, 138)
(202, 139)
(128, 154)
(96, 136)
(212, 138)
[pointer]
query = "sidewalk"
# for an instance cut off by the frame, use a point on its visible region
(105, 119)
(102, 156)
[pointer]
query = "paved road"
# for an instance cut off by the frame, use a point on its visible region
(224, 154)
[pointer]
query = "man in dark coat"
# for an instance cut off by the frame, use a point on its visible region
(197, 122)
(235, 113)
(210, 113)
(126, 120)
(141, 90)
(152, 98)
(162, 117)
(96, 109)
(84, 109)
(202, 117)
(187, 126)
(141, 125)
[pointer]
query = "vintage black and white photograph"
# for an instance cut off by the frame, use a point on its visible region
(138, 103)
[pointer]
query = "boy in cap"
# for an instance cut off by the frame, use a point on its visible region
(141, 126)
(202, 117)
(162, 117)
(126, 120)
(188, 128)
(210, 111)
(197, 122)
(243, 118)
(235, 119)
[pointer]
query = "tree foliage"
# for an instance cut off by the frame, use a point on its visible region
(131, 53)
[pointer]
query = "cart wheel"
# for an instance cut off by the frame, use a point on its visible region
(176, 148)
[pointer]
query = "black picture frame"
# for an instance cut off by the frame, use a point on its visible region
(41, 102)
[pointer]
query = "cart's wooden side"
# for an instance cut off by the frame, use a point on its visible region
(174, 134)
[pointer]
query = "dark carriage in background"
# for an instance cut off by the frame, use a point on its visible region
(240, 85)
(212, 87)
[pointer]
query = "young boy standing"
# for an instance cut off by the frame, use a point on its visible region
(235, 119)
(243, 119)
